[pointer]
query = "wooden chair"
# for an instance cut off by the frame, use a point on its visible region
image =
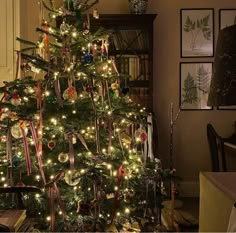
(216, 147)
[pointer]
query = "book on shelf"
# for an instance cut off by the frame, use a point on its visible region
(12, 219)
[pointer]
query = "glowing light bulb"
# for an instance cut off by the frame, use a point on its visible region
(127, 210)
(82, 171)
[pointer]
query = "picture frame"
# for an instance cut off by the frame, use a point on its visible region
(231, 107)
(195, 79)
(227, 17)
(197, 32)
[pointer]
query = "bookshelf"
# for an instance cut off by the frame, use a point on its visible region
(131, 45)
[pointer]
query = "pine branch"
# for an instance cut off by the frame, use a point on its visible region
(36, 61)
(28, 49)
(48, 33)
(87, 7)
(48, 8)
(26, 42)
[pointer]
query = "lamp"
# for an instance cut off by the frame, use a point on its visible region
(223, 84)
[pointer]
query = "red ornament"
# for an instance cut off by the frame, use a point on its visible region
(88, 88)
(15, 99)
(143, 137)
(141, 134)
(51, 144)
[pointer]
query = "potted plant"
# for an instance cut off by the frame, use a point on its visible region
(138, 6)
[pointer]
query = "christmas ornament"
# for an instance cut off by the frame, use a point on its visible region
(114, 86)
(64, 28)
(16, 130)
(88, 88)
(16, 160)
(72, 178)
(51, 99)
(70, 93)
(141, 135)
(63, 157)
(95, 14)
(88, 58)
(51, 144)
(15, 99)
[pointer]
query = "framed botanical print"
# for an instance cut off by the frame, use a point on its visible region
(197, 32)
(227, 17)
(195, 79)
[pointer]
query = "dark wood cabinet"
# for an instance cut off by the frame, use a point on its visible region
(131, 44)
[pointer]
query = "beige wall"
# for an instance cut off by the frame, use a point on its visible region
(191, 153)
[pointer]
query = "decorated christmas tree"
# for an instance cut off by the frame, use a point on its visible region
(69, 127)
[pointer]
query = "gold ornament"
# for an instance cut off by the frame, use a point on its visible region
(70, 94)
(72, 178)
(63, 157)
(16, 131)
(114, 86)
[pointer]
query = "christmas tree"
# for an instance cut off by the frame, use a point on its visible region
(69, 127)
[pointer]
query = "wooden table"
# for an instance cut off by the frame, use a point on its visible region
(230, 146)
(230, 156)
(217, 198)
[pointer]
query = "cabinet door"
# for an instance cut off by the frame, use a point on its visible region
(131, 45)
(7, 40)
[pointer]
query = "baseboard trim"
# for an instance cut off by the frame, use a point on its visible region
(189, 189)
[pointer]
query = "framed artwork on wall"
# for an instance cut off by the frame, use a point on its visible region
(231, 107)
(195, 79)
(227, 17)
(197, 32)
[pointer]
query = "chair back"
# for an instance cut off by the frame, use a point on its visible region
(216, 147)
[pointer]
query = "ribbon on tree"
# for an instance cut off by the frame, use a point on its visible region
(149, 141)
(71, 150)
(119, 179)
(38, 95)
(26, 147)
(40, 128)
(110, 134)
(36, 143)
(45, 36)
(9, 156)
(80, 137)
(56, 84)
(18, 53)
(52, 185)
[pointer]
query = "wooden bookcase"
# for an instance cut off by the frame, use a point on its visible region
(131, 44)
